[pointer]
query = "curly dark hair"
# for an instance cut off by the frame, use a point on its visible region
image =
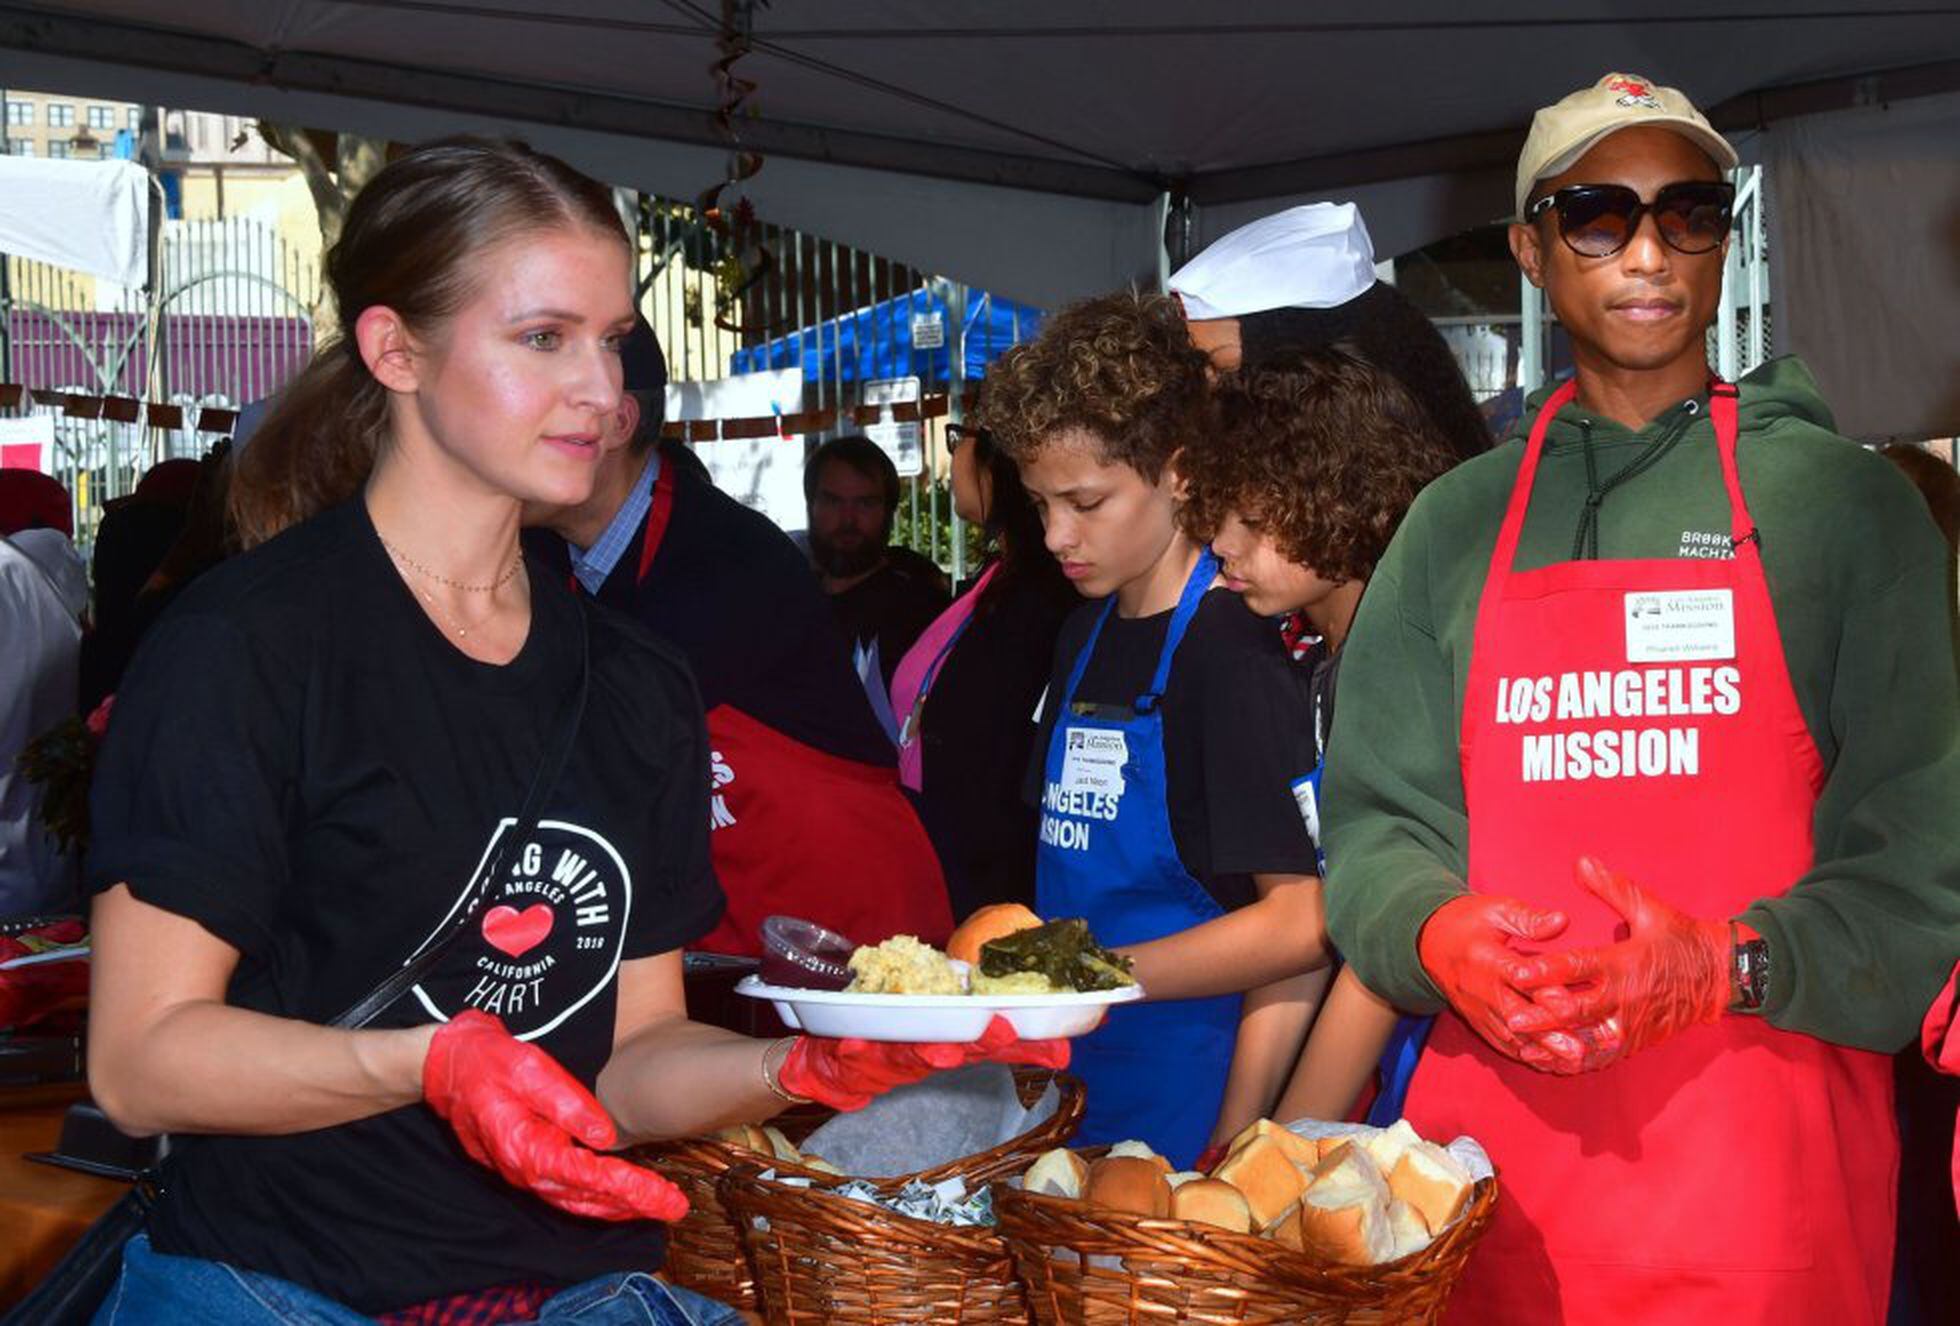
(1120, 367)
(1323, 450)
(1386, 328)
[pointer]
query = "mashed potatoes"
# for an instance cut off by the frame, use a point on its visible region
(903, 965)
(1014, 983)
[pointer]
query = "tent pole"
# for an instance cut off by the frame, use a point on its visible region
(954, 293)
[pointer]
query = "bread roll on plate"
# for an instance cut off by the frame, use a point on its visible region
(985, 925)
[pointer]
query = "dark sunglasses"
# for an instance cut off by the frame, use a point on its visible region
(1598, 220)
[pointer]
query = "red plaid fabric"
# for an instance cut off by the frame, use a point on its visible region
(478, 1307)
(1298, 635)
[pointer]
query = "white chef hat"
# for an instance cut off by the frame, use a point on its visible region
(1314, 256)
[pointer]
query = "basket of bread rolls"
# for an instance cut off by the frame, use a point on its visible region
(706, 1251)
(1357, 1225)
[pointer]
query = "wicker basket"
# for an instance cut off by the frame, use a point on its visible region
(822, 1259)
(1084, 1265)
(706, 1250)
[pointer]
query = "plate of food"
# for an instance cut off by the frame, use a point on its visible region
(1048, 979)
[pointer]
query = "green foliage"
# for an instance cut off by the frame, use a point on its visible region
(925, 524)
(61, 761)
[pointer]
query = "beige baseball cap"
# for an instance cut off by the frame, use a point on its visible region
(1566, 130)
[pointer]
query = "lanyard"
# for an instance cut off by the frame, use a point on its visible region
(909, 729)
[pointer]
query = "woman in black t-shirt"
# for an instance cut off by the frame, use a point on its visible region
(327, 738)
(964, 693)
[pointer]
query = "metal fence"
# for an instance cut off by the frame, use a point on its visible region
(847, 328)
(229, 320)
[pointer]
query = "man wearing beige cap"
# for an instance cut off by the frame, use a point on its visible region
(1649, 786)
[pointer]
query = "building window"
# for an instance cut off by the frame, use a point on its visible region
(101, 117)
(23, 147)
(57, 148)
(20, 113)
(105, 151)
(135, 118)
(61, 115)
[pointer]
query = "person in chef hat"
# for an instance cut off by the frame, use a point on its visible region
(1305, 278)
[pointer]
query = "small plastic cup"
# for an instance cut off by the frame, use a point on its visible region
(803, 955)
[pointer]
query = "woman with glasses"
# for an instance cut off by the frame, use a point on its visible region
(964, 694)
(1628, 791)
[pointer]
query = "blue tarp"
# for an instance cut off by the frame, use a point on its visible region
(876, 342)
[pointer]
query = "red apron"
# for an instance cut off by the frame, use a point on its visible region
(803, 832)
(1735, 1173)
(1939, 1038)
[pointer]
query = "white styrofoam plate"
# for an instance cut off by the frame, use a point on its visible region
(890, 1017)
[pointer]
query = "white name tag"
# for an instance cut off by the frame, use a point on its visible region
(1093, 760)
(1679, 626)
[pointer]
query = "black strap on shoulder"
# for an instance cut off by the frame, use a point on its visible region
(571, 715)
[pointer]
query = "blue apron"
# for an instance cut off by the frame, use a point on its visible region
(1155, 1071)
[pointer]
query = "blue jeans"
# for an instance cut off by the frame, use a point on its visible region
(158, 1288)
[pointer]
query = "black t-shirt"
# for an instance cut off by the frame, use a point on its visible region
(893, 605)
(975, 736)
(736, 597)
(300, 762)
(1235, 739)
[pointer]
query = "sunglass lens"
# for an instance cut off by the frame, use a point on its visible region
(1695, 218)
(1596, 222)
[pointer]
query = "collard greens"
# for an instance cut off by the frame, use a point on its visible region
(1064, 951)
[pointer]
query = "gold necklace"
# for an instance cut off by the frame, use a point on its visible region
(517, 560)
(456, 624)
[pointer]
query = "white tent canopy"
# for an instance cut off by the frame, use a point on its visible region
(90, 216)
(1028, 147)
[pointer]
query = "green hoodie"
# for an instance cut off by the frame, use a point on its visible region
(1857, 572)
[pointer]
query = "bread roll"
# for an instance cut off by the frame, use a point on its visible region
(821, 1165)
(1270, 1181)
(1286, 1230)
(1129, 1183)
(1343, 1217)
(1142, 1151)
(1387, 1145)
(989, 923)
(1178, 1178)
(1432, 1181)
(1212, 1202)
(780, 1146)
(1410, 1234)
(745, 1135)
(1058, 1173)
(1298, 1149)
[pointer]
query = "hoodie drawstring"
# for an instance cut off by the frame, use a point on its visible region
(1585, 540)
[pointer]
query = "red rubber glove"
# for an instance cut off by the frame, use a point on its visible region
(1468, 948)
(517, 1111)
(846, 1074)
(1671, 972)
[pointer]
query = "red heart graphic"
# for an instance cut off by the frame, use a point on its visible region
(517, 933)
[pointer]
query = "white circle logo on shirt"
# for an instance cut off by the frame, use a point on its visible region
(549, 939)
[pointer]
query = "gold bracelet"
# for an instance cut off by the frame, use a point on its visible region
(773, 1080)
